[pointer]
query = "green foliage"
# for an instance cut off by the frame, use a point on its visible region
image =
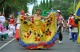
(11, 6)
(66, 6)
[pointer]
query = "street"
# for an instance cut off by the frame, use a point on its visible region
(66, 46)
(38, 23)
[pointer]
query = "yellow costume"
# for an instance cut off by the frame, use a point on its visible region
(38, 34)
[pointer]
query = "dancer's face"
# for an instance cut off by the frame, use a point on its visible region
(38, 12)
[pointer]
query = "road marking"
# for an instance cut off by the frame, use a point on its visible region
(7, 43)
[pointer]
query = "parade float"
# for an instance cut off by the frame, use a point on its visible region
(37, 34)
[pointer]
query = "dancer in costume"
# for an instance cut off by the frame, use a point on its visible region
(2, 28)
(36, 34)
(60, 20)
(11, 26)
(24, 16)
(69, 25)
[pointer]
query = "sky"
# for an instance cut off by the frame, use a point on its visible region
(30, 7)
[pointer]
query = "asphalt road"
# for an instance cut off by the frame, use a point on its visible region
(66, 46)
(4, 41)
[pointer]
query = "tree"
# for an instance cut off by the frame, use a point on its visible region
(66, 6)
(14, 5)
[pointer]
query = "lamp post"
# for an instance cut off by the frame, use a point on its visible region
(3, 10)
(74, 5)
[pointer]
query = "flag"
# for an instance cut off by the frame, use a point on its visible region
(78, 10)
(78, 16)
